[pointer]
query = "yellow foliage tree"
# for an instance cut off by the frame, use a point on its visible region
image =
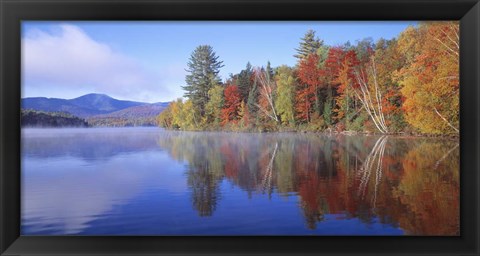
(430, 81)
(190, 120)
(165, 118)
(285, 96)
(213, 108)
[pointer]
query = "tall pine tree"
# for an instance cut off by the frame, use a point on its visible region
(203, 69)
(309, 45)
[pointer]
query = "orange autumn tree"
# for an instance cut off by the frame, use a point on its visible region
(346, 82)
(310, 80)
(330, 71)
(232, 103)
(431, 80)
(404, 84)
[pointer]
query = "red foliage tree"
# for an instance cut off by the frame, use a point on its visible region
(333, 63)
(351, 62)
(310, 77)
(231, 106)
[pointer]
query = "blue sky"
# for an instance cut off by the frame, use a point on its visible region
(146, 61)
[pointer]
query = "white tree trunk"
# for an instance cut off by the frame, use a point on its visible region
(371, 104)
(267, 87)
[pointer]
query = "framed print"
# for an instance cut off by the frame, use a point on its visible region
(239, 127)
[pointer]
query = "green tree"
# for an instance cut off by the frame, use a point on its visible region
(309, 45)
(203, 69)
(364, 49)
(244, 82)
(269, 71)
(253, 96)
(322, 52)
(285, 97)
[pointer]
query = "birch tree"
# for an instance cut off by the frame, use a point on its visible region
(267, 88)
(369, 93)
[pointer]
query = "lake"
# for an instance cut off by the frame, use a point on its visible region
(148, 181)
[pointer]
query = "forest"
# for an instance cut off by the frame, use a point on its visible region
(121, 121)
(408, 84)
(34, 118)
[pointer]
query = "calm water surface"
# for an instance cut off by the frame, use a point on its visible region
(147, 181)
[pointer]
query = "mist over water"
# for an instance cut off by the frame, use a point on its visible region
(148, 181)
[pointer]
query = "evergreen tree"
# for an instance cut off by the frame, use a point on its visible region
(253, 97)
(313, 46)
(203, 69)
(269, 71)
(365, 49)
(309, 45)
(244, 82)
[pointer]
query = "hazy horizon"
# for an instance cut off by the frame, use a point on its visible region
(96, 94)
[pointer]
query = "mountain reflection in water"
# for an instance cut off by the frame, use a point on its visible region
(138, 181)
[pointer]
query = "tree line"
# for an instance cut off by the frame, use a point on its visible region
(406, 84)
(119, 121)
(34, 118)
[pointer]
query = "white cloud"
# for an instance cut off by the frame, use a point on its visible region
(72, 63)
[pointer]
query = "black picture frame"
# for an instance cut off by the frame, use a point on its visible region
(12, 12)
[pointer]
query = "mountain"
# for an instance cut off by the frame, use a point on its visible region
(100, 109)
(143, 115)
(84, 106)
(103, 103)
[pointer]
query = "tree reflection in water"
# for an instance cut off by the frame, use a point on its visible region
(408, 182)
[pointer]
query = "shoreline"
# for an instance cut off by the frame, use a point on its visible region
(344, 133)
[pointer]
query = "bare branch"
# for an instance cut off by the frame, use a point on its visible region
(444, 119)
(448, 48)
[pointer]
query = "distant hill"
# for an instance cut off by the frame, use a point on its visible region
(144, 115)
(138, 111)
(33, 118)
(84, 106)
(103, 103)
(100, 109)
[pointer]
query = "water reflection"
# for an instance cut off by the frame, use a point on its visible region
(71, 177)
(86, 144)
(150, 181)
(407, 182)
